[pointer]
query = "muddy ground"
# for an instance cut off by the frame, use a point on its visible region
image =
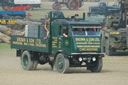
(115, 72)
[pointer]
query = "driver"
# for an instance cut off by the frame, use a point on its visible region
(65, 32)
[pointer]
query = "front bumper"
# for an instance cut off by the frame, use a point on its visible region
(88, 54)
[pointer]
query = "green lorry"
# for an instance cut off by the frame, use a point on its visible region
(80, 48)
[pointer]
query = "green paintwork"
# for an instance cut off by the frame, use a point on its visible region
(74, 44)
(87, 44)
(57, 42)
(27, 43)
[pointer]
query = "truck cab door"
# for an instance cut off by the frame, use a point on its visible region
(65, 39)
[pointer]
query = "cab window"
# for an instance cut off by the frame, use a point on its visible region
(65, 32)
(85, 32)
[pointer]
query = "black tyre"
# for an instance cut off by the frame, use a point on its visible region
(96, 66)
(73, 5)
(53, 5)
(61, 63)
(56, 6)
(26, 61)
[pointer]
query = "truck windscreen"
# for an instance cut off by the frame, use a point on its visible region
(83, 31)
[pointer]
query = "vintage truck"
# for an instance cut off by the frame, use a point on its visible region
(70, 4)
(102, 9)
(80, 48)
(115, 33)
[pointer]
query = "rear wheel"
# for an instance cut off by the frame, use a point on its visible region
(26, 61)
(56, 6)
(96, 66)
(61, 63)
(74, 5)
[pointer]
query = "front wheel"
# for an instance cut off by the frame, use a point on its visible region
(96, 66)
(61, 63)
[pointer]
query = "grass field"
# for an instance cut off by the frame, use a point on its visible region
(4, 46)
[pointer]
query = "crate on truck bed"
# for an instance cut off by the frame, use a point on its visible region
(35, 31)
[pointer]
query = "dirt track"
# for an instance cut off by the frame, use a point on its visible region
(115, 72)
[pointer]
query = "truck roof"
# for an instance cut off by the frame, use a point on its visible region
(75, 22)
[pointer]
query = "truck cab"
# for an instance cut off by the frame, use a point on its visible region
(82, 43)
(81, 37)
(102, 9)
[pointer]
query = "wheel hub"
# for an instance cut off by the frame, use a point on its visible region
(25, 60)
(60, 65)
